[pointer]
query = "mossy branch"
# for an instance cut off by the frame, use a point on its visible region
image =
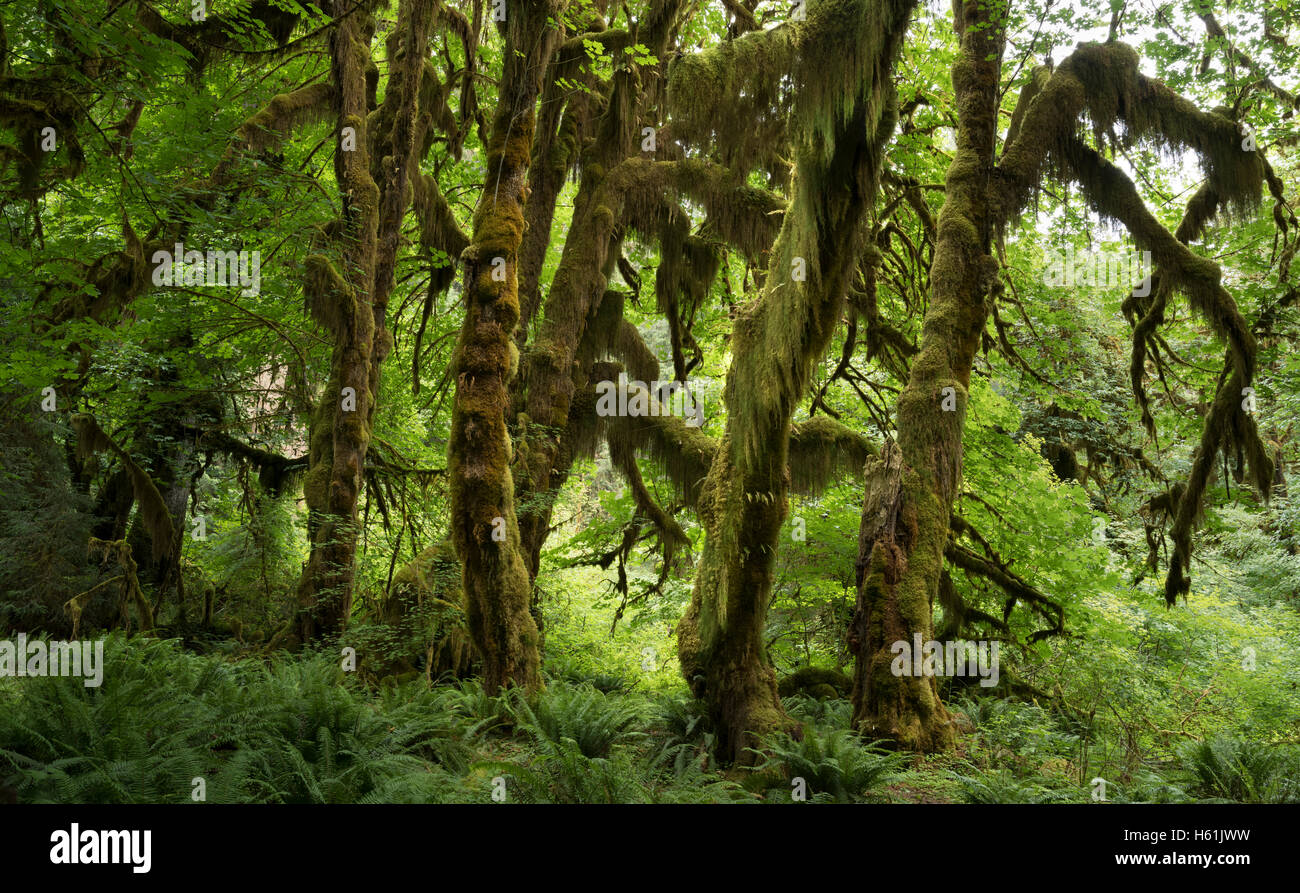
(157, 519)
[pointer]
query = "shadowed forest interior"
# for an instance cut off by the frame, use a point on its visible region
(691, 401)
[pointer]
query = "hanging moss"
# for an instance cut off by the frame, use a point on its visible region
(741, 215)
(840, 89)
(735, 88)
(821, 450)
(670, 532)
(329, 298)
(1103, 82)
(681, 452)
(286, 113)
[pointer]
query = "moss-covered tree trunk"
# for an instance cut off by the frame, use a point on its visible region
(555, 366)
(340, 432)
(775, 340)
(484, 527)
(372, 164)
(910, 488)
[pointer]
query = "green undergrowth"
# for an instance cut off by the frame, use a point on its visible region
(173, 726)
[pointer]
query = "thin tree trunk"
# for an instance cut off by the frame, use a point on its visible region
(340, 432)
(555, 364)
(910, 488)
(373, 172)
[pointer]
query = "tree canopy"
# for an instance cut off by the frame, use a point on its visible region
(659, 385)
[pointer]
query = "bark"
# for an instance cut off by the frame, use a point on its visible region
(774, 343)
(353, 301)
(910, 489)
(485, 529)
(556, 366)
(339, 435)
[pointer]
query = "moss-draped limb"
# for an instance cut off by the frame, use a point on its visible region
(623, 457)
(744, 216)
(1228, 426)
(483, 515)
(129, 592)
(553, 370)
(563, 117)
(683, 453)
(822, 450)
(285, 113)
(910, 489)
(113, 281)
(734, 89)
(216, 34)
(1103, 81)
(842, 118)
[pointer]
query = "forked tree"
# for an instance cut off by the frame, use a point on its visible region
(907, 530)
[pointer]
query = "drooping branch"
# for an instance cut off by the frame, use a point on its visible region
(153, 508)
(989, 565)
(1235, 54)
(1103, 81)
(1228, 425)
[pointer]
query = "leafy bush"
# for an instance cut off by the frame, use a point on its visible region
(563, 773)
(1004, 787)
(835, 765)
(592, 719)
(832, 713)
(1228, 769)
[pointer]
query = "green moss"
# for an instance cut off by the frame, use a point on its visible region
(285, 113)
(820, 682)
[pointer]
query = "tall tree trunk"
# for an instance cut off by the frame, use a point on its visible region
(373, 170)
(483, 523)
(775, 342)
(340, 433)
(910, 488)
